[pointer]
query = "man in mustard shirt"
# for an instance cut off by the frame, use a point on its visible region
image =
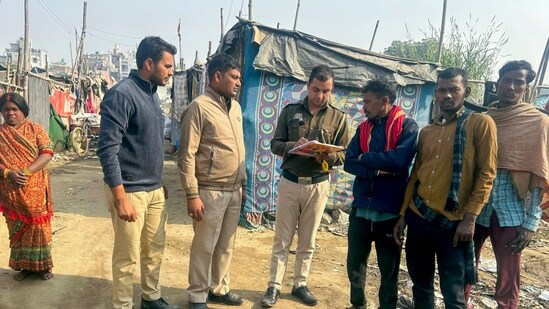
(450, 184)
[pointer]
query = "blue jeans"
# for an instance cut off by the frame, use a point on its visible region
(361, 234)
(424, 242)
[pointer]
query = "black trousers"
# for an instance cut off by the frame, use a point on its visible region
(361, 234)
(424, 242)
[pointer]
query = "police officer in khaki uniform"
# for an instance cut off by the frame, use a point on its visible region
(304, 185)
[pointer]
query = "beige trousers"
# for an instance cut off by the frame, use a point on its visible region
(213, 244)
(143, 241)
(298, 205)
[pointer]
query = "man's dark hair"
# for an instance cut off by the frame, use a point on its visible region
(152, 47)
(322, 73)
(450, 73)
(381, 87)
(221, 63)
(518, 65)
(16, 99)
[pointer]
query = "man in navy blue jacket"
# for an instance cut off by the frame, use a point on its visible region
(130, 150)
(379, 155)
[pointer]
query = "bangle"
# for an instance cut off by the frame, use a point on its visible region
(27, 171)
(6, 172)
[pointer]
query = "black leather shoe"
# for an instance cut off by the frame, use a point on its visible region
(306, 296)
(198, 306)
(230, 299)
(270, 297)
(156, 304)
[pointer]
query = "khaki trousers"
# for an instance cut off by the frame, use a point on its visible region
(141, 240)
(298, 205)
(213, 244)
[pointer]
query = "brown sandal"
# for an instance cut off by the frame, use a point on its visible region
(46, 275)
(22, 275)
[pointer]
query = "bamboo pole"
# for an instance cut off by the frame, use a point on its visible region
(181, 63)
(250, 10)
(81, 48)
(374, 35)
(296, 13)
(16, 77)
(443, 24)
(541, 73)
(8, 69)
(222, 30)
(26, 55)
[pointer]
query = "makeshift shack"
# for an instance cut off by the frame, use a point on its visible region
(275, 67)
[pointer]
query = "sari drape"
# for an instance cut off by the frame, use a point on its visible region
(28, 210)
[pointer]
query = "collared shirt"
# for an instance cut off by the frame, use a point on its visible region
(328, 126)
(433, 165)
(509, 208)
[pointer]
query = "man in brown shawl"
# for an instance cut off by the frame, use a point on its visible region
(513, 212)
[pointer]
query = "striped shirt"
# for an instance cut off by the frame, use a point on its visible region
(509, 208)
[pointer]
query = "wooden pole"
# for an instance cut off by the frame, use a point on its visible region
(374, 35)
(541, 73)
(19, 70)
(544, 69)
(8, 69)
(181, 63)
(443, 23)
(81, 49)
(296, 13)
(222, 30)
(70, 51)
(250, 5)
(77, 56)
(278, 25)
(26, 53)
(209, 51)
(47, 67)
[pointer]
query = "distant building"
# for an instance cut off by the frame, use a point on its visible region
(118, 63)
(38, 57)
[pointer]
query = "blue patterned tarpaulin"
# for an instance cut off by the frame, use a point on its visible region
(264, 104)
(264, 94)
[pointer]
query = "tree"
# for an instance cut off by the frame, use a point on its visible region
(477, 53)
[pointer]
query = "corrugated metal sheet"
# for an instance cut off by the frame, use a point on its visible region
(39, 101)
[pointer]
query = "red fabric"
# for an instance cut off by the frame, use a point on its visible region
(393, 130)
(62, 102)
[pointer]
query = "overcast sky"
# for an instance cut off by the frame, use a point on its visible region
(351, 22)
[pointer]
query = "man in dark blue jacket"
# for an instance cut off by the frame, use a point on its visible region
(379, 155)
(130, 150)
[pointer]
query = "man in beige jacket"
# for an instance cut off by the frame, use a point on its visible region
(212, 170)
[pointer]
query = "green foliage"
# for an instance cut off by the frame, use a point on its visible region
(476, 52)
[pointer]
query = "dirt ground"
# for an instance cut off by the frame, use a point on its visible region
(83, 240)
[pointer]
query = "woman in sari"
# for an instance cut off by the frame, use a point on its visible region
(25, 197)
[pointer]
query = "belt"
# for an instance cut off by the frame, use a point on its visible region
(304, 180)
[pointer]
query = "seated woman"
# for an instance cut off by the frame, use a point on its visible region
(25, 195)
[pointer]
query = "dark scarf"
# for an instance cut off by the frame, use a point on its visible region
(452, 202)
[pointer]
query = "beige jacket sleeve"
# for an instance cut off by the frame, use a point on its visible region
(191, 130)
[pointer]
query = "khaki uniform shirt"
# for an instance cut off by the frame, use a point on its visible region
(328, 126)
